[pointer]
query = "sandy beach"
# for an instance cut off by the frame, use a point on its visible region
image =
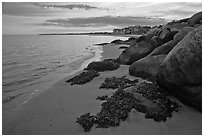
(55, 111)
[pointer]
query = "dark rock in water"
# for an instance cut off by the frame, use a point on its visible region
(102, 97)
(123, 47)
(195, 19)
(114, 83)
(169, 36)
(134, 53)
(181, 71)
(116, 108)
(146, 67)
(168, 46)
(104, 65)
(83, 78)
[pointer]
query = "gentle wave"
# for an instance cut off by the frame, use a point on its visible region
(31, 63)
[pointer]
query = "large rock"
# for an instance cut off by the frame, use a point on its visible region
(146, 67)
(156, 41)
(104, 65)
(168, 46)
(181, 71)
(169, 36)
(163, 32)
(152, 33)
(134, 53)
(195, 19)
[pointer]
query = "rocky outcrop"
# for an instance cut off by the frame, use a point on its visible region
(83, 78)
(168, 46)
(195, 19)
(181, 71)
(104, 65)
(146, 67)
(134, 53)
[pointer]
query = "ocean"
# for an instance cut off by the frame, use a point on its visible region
(33, 63)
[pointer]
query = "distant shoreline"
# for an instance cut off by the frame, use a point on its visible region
(93, 34)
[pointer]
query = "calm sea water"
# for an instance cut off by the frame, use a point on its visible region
(31, 64)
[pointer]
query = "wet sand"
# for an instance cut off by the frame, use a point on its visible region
(55, 110)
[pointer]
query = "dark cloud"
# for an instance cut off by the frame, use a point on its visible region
(119, 21)
(67, 6)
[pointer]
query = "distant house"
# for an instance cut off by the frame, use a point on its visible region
(132, 30)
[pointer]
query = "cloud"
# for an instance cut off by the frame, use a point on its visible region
(67, 6)
(119, 21)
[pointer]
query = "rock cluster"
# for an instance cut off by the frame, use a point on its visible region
(84, 77)
(104, 65)
(181, 71)
(114, 83)
(116, 108)
(172, 56)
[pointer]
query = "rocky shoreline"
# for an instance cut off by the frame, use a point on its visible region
(168, 57)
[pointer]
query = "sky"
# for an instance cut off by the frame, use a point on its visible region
(41, 17)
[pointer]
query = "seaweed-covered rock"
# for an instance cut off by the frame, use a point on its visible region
(146, 67)
(163, 106)
(104, 65)
(116, 108)
(181, 71)
(114, 83)
(83, 78)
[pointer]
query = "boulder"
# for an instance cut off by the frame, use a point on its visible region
(107, 64)
(146, 67)
(156, 41)
(195, 19)
(134, 53)
(168, 46)
(181, 71)
(152, 33)
(164, 49)
(169, 36)
(163, 32)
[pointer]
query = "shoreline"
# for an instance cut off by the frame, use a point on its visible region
(55, 110)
